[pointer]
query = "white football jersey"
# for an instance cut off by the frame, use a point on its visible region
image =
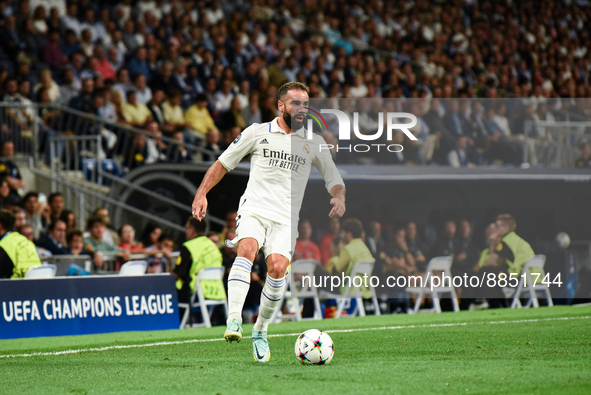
(280, 166)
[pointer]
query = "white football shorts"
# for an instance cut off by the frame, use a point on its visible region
(272, 237)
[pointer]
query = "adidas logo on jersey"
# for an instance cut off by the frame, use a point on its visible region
(264, 141)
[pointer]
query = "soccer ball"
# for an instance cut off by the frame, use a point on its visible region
(314, 347)
(563, 240)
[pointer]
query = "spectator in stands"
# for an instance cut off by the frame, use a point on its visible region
(144, 93)
(122, 85)
(128, 243)
(69, 218)
(398, 258)
(68, 88)
(155, 107)
(11, 202)
(55, 202)
(178, 152)
(467, 252)
(55, 239)
(110, 236)
(139, 64)
(103, 65)
(233, 117)
(30, 204)
(150, 236)
(447, 244)
(161, 259)
(45, 81)
(416, 245)
(173, 113)
(459, 157)
(193, 82)
(70, 20)
(83, 102)
(306, 248)
(8, 169)
(135, 112)
(20, 217)
(585, 159)
(4, 190)
(252, 111)
(13, 265)
(162, 80)
(199, 118)
(223, 98)
(70, 44)
(212, 143)
(10, 38)
(198, 253)
(95, 243)
(75, 243)
(333, 229)
(143, 151)
(374, 239)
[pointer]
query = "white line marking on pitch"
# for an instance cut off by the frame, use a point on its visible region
(169, 343)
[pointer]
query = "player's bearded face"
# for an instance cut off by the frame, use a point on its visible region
(296, 121)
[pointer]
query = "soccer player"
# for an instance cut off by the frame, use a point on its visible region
(281, 161)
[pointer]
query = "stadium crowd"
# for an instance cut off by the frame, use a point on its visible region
(201, 71)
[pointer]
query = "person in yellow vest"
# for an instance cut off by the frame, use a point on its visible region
(197, 253)
(521, 251)
(17, 253)
(354, 251)
(507, 254)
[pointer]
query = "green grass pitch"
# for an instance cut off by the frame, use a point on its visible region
(545, 350)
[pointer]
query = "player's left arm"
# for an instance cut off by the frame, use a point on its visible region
(333, 180)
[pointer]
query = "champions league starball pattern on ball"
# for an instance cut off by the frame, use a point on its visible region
(314, 347)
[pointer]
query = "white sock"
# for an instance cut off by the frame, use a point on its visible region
(270, 298)
(238, 285)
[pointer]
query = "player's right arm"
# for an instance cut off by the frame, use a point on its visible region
(242, 146)
(216, 172)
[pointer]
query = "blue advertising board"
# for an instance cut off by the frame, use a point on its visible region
(87, 304)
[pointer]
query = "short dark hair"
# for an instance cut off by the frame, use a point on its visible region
(354, 226)
(165, 236)
(53, 196)
(199, 226)
(7, 220)
(93, 220)
(53, 223)
(288, 86)
(73, 233)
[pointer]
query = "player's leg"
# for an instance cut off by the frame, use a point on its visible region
(270, 299)
(238, 285)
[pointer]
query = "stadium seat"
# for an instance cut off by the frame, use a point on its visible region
(537, 262)
(437, 264)
(133, 268)
(198, 301)
(43, 271)
(352, 292)
(304, 268)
